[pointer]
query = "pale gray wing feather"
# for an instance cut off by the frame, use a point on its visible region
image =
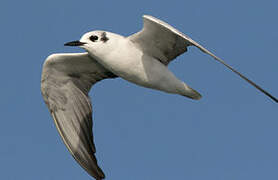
(160, 40)
(163, 42)
(66, 81)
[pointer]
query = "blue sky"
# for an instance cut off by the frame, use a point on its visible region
(231, 133)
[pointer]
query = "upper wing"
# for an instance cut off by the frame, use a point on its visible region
(66, 81)
(160, 40)
(163, 42)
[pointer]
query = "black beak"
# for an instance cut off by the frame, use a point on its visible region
(74, 43)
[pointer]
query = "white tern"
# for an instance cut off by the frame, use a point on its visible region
(141, 58)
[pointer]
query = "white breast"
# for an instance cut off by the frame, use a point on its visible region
(128, 61)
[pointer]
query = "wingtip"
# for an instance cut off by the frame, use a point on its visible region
(90, 167)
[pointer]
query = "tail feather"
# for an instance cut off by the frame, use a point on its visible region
(190, 93)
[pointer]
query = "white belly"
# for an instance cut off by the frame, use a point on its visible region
(128, 62)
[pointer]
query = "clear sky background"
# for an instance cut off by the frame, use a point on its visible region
(230, 134)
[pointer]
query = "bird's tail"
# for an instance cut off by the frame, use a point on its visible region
(190, 93)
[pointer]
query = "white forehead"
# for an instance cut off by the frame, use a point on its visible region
(101, 34)
(92, 33)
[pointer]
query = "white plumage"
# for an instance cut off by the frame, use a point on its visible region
(141, 58)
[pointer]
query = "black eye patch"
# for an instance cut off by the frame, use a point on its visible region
(104, 38)
(93, 38)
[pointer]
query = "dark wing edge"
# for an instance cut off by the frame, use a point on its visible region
(65, 84)
(162, 31)
(194, 43)
(235, 71)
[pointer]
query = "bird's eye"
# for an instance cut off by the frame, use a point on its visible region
(93, 38)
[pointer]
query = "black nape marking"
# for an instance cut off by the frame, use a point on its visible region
(104, 38)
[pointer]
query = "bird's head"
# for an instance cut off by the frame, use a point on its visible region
(97, 43)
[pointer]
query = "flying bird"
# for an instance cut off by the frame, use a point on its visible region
(141, 58)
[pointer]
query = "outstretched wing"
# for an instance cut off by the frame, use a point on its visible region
(160, 40)
(163, 42)
(66, 81)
